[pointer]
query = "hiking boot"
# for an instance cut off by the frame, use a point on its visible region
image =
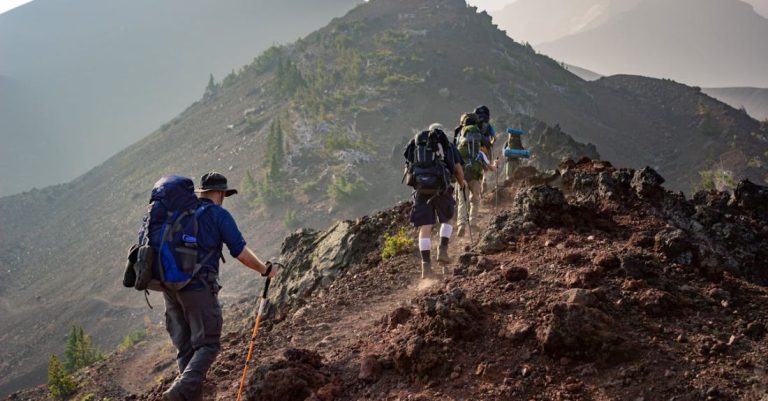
(442, 255)
(172, 394)
(426, 270)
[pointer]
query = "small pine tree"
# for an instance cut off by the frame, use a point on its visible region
(211, 88)
(60, 384)
(248, 186)
(271, 188)
(80, 351)
(72, 359)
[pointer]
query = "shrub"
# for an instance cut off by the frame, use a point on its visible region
(342, 190)
(400, 79)
(397, 244)
(291, 220)
(60, 384)
(707, 180)
(132, 339)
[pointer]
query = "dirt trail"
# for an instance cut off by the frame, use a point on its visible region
(349, 326)
(138, 369)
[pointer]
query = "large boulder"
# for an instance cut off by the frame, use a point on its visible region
(580, 332)
(314, 259)
(752, 199)
(647, 183)
(538, 206)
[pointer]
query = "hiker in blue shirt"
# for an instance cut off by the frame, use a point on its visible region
(433, 204)
(193, 314)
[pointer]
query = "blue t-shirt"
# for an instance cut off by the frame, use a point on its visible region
(217, 227)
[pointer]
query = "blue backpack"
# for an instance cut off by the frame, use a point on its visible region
(166, 254)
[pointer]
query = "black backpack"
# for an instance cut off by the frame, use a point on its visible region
(428, 172)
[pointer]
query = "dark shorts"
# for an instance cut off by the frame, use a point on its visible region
(441, 208)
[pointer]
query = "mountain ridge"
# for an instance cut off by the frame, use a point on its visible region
(574, 291)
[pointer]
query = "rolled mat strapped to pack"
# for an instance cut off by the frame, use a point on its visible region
(517, 153)
(513, 131)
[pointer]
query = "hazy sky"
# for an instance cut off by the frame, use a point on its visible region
(487, 4)
(6, 5)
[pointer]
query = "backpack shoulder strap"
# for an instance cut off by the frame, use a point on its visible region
(199, 212)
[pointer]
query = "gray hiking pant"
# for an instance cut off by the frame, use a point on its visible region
(193, 319)
(510, 165)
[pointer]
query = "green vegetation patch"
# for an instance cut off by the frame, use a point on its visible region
(132, 339)
(346, 191)
(60, 384)
(397, 244)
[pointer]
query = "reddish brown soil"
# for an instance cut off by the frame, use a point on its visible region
(598, 298)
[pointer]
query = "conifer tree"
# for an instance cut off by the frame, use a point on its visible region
(272, 189)
(79, 351)
(211, 88)
(248, 187)
(60, 384)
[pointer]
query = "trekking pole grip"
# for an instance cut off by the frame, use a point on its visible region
(266, 287)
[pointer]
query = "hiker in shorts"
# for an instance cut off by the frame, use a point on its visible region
(475, 149)
(193, 315)
(432, 165)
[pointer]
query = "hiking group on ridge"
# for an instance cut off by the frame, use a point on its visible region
(185, 228)
(433, 164)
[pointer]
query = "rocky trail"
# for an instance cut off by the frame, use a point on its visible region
(607, 287)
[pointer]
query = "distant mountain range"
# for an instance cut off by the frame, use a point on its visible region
(709, 43)
(754, 100)
(91, 77)
(539, 21)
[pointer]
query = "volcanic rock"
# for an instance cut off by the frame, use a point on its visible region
(579, 332)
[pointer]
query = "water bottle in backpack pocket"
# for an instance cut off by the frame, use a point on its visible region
(166, 255)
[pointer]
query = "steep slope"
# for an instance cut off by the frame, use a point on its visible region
(705, 43)
(346, 97)
(608, 287)
(754, 100)
(97, 76)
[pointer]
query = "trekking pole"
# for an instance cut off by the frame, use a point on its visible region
(496, 191)
(262, 306)
(466, 208)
